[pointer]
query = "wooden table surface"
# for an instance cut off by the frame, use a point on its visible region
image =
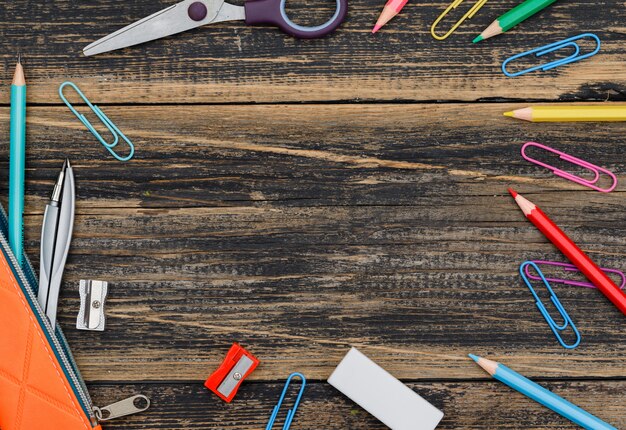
(302, 197)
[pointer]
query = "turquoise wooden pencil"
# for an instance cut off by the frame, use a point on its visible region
(17, 163)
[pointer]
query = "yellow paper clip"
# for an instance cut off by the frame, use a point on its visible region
(470, 13)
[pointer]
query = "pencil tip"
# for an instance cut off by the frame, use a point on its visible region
(509, 114)
(376, 28)
(478, 38)
(473, 357)
(19, 58)
(18, 75)
(513, 192)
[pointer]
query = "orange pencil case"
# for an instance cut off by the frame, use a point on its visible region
(40, 385)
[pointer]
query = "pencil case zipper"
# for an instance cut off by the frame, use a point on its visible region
(26, 279)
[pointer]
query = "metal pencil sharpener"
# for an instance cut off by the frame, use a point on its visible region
(92, 297)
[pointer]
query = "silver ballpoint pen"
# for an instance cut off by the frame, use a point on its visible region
(56, 235)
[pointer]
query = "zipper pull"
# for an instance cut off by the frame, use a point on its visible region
(132, 405)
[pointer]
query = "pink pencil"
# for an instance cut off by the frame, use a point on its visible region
(391, 9)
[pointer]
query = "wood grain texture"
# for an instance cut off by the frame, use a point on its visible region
(477, 405)
(298, 232)
(301, 197)
(230, 62)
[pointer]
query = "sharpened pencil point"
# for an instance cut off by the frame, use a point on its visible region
(385, 16)
(18, 76)
(509, 114)
(478, 38)
(513, 192)
(473, 357)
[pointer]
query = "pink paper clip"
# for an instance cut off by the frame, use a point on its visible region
(571, 268)
(577, 161)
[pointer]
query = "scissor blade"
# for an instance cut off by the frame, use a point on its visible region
(172, 20)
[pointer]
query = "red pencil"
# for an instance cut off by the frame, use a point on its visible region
(571, 251)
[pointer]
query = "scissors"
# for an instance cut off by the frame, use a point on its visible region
(190, 14)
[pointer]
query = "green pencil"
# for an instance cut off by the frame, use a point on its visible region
(513, 17)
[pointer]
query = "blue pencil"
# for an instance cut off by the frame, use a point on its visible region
(541, 395)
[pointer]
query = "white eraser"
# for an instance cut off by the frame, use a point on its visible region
(382, 395)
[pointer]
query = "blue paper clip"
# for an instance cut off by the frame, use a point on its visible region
(291, 411)
(551, 48)
(567, 321)
(105, 120)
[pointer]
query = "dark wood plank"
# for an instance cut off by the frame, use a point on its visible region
(229, 155)
(298, 231)
(229, 62)
(478, 405)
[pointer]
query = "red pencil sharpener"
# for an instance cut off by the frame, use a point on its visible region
(236, 367)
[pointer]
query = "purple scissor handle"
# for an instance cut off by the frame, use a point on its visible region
(272, 12)
(571, 268)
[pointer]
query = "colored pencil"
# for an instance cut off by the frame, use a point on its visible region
(599, 112)
(571, 251)
(541, 395)
(17, 164)
(513, 17)
(391, 9)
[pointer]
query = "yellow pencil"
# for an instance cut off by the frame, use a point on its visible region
(559, 113)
